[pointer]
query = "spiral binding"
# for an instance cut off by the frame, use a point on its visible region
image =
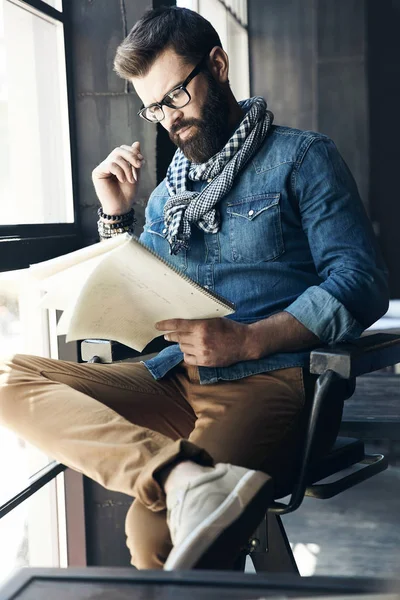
(209, 293)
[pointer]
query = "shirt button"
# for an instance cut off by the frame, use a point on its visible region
(207, 287)
(164, 230)
(251, 212)
(209, 180)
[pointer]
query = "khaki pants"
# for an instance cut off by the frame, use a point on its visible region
(120, 427)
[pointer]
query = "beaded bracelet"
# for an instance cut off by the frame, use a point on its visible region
(112, 225)
(109, 232)
(115, 225)
(107, 235)
(129, 216)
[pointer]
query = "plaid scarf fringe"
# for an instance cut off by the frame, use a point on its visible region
(185, 207)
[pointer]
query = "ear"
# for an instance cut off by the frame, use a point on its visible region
(219, 64)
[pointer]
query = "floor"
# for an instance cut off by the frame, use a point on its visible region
(355, 533)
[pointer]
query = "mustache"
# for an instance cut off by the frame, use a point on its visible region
(182, 125)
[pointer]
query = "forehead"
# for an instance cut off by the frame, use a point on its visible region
(169, 69)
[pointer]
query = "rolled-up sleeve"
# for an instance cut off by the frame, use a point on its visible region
(353, 292)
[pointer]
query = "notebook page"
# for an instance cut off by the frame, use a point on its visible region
(63, 288)
(129, 292)
(50, 267)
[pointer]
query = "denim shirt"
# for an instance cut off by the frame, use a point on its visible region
(294, 237)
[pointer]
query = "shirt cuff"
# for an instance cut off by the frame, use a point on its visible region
(325, 316)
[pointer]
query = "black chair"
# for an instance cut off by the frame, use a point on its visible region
(346, 463)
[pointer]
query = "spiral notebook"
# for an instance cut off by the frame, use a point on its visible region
(118, 290)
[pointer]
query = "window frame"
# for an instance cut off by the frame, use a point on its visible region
(24, 244)
(20, 246)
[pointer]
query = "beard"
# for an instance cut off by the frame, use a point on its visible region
(211, 131)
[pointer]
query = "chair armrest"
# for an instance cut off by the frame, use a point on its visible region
(364, 355)
(346, 361)
(321, 389)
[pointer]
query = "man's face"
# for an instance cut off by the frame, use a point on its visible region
(201, 128)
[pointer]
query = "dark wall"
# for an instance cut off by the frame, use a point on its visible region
(308, 61)
(105, 105)
(282, 49)
(384, 97)
(105, 110)
(334, 66)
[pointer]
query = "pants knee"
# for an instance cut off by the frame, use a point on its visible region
(147, 537)
(13, 373)
(6, 368)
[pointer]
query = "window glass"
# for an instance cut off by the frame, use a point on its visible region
(35, 166)
(35, 188)
(23, 330)
(10, 325)
(29, 533)
(238, 51)
(191, 4)
(57, 4)
(232, 31)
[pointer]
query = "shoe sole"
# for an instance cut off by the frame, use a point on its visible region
(230, 521)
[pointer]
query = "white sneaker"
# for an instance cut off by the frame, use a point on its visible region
(215, 510)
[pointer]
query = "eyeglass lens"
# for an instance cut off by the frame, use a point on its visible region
(175, 99)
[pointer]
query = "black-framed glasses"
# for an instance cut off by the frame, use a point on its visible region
(178, 97)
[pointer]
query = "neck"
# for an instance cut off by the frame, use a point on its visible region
(236, 113)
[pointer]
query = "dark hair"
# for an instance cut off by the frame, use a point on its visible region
(189, 34)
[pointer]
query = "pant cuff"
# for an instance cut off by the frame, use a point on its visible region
(147, 488)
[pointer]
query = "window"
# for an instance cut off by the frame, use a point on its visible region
(29, 534)
(229, 18)
(35, 165)
(57, 4)
(36, 223)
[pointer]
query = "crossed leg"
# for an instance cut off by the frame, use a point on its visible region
(119, 426)
(255, 422)
(106, 421)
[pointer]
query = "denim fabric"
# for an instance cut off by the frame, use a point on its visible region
(294, 237)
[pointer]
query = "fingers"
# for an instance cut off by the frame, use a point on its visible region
(134, 161)
(135, 158)
(136, 146)
(115, 169)
(175, 325)
(190, 359)
(123, 162)
(122, 170)
(184, 340)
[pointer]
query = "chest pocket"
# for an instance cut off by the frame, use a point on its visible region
(155, 236)
(255, 230)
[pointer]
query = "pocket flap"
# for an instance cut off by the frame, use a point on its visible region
(251, 207)
(158, 227)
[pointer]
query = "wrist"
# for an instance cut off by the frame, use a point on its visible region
(113, 210)
(110, 225)
(254, 342)
(128, 216)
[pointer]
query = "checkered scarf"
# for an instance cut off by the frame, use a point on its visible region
(185, 207)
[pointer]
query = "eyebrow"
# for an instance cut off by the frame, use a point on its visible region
(169, 90)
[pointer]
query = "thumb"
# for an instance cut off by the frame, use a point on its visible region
(136, 146)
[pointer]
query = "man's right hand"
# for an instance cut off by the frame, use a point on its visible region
(116, 179)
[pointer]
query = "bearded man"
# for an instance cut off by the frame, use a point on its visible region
(207, 433)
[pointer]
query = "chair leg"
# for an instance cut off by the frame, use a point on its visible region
(272, 552)
(240, 562)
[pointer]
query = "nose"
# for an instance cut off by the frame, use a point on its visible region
(172, 115)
